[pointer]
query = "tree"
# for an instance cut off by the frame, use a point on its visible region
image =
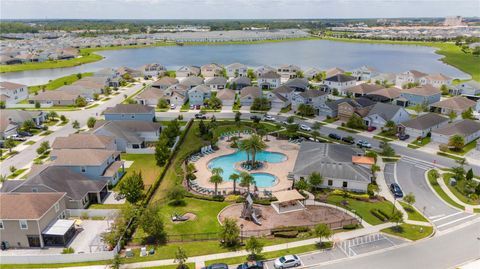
(322, 231)
(458, 173)
(262, 132)
(181, 258)
(469, 175)
(116, 262)
(391, 126)
(91, 122)
(80, 102)
(132, 187)
(9, 144)
(12, 169)
(434, 173)
(457, 142)
(444, 89)
(151, 222)
(216, 178)
(176, 194)
(237, 118)
(234, 177)
(254, 246)
(37, 104)
(417, 108)
(246, 180)
(214, 103)
(162, 151)
(315, 134)
(375, 168)
(397, 217)
(255, 145)
(63, 118)
(52, 115)
(409, 198)
(468, 114)
(96, 96)
(260, 104)
(3, 104)
(230, 232)
(387, 150)
(4, 178)
(44, 146)
(316, 126)
(75, 124)
(335, 92)
(79, 75)
(315, 180)
(28, 125)
(305, 110)
(372, 189)
(452, 115)
(301, 185)
(356, 122)
(162, 103)
(291, 119)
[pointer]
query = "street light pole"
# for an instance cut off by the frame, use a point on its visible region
(241, 234)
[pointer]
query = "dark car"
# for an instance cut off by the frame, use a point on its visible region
(403, 137)
(395, 189)
(216, 266)
(255, 118)
(348, 139)
(23, 133)
(200, 116)
(371, 128)
(251, 265)
(334, 136)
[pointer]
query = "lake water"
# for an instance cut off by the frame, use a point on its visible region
(322, 54)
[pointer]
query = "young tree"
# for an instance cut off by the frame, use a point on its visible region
(387, 150)
(37, 104)
(260, 104)
(301, 185)
(12, 169)
(468, 114)
(315, 180)
(9, 144)
(230, 232)
(391, 126)
(176, 194)
(132, 187)
(444, 89)
(237, 118)
(162, 103)
(291, 119)
(452, 115)
(75, 124)
(80, 102)
(396, 217)
(162, 151)
(434, 173)
(152, 223)
(91, 122)
(181, 258)
(315, 134)
(457, 142)
(44, 146)
(254, 246)
(246, 180)
(356, 122)
(322, 231)
(52, 115)
(458, 173)
(234, 177)
(116, 262)
(469, 175)
(409, 198)
(63, 118)
(316, 126)
(28, 125)
(372, 190)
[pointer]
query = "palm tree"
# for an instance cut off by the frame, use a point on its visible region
(216, 178)
(217, 171)
(256, 145)
(246, 180)
(244, 145)
(234, 177)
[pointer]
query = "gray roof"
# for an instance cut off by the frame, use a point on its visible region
(340, 78)
(331, 161)
(283, 89)
(312, 93)
(357, 102)
(425, 121)
(242, 81)
(270, 75)
(297, 83)
(192, 81)
(462, 127)
(129, 108)
(251, 90)
(384, 110)
(128, 130)
(472, 83)
(59, 179)
(216, 81)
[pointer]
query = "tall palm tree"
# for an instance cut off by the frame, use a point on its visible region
(217, 171)
(216, 179)
(234, 177)
(246, 180)
(256, 145)
(244, 145)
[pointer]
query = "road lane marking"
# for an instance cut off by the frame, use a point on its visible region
(437, 216)
(457, 220)
(448, 216)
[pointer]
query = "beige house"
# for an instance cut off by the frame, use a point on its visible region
(34, 220)
(56, 98)
(457, 104)
(211, 70)
(227, 96)
(248, 94)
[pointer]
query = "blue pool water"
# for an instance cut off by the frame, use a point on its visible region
(262, 180)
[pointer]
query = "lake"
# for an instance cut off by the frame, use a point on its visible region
(322, 54)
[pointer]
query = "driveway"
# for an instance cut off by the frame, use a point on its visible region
(92, 229)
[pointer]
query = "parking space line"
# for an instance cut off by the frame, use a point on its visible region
(436, 216)
(447, 216)
(457, 220)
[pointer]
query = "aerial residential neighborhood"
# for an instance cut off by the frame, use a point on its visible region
(256, 143)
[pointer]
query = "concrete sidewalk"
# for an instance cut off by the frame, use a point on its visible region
(468, 208)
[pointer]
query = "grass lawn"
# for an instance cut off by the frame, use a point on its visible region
(17, 173)
(63, 123)
(8, 154)
(46, 133)
(273, 254)
(441, 153)
(410, 231)
(465, 149)
(459, 190)
(51, 122)
(106, 206)
(348, 130)
(413, 214)
(144, 163)
(30, 142)
(388, 135)
(57, 83)
(286, 109)
(330, 120)
(362, 208)
(383, 138)
(421, 142)
(434, 184)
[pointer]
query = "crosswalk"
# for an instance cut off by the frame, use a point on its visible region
(443, 222)
(419, 163)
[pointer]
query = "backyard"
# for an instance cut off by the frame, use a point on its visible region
(144, 163)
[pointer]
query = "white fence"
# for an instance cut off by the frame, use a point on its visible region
(141, 150)
(91, 213)
(58, 258)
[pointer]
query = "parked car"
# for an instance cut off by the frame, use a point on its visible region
(396, 190)
(268, 118)
(251, 265)
(255, 117)
(305, 127)
(371, 128)
(216, 266)
(403, 137)
(89, 100)
(24, 133)
(287, 262)
(16, 137)
(173, 106)
(364, 144)
(334, 136)
(348, 139)
(200, 116)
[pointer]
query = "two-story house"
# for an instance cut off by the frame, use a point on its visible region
(314, 98)
(216, 83)
(164, 82)
(12, 93)
(188, 71)
(136, 112)
(340, 82)
(436, 80)
(240, 83)
(381, 113)
(211, 70)
(197, 95)
(248, 94)
(411, 76)
(236, 70)
(154, 69)
(364, 73)
(359, 106)
(288, 71)
(269, 80)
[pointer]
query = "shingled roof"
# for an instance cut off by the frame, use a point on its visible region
(27, 206)
(424, 121)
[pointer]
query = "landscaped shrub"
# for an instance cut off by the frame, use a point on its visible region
(232, 198)
(68, 250)
(300, 229)
(378, 215)
(356, 196)
(287, 234)
(384, 214)
(352, 226)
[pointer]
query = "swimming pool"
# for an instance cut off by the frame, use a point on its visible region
(262, 180)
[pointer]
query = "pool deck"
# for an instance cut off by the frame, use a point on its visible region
(280, 170)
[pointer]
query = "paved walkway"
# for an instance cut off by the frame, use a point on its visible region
(468, 207)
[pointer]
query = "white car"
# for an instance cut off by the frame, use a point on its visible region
(269, 118)
(173, 106)
(305, 128)
(287, 261)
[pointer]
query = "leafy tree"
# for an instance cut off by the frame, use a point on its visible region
(246, 180)
(396, 217)
(452, 115)
(316, 126)
(262, 132)
(315, 134)
(214, 103)
(387, 150)
(291, 119)
(172, 131)
(162, 151)
(116, 262)
(469, 175)
(96, 96)
(322, 231)
(299, 74)
(132, 187)
(3, 105)
(254, 145)
(335, 92)
(63, 118)
(76, 124)
(250, 74)
(254, 246)
(234, 177)
(52, 115)
(315, 180)
(444, 89)
(458, 173)
(417, 108)
(372, 189)
(434, 173)
(9, 144)
(238, 118)
(28, 125)
(301, 185)
(468, 114)
(91, 122)
(230, 232)
(356, 122)
(260, 104)
(391, 126)
(12, 169)
(216, 178)
(80, 102)
(457, 142)
(79, 75)
(37, 104)
(181, 258)
(162, 103)
(305, 110)
(3, 178)
(409, 198)
(151, 222)
(44, 146)
(176, 194)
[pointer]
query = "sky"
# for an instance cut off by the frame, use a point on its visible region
(234, 9)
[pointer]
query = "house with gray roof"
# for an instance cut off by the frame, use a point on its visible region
(381, 113)
(248, 94)
(240, 83)
(187, 71)
(153, 69)
(468, 129)
(259, 71)
(299, 84)
(311, 73)
(422, 125)
(12, 93)
(314, 98)
(12, 119)
(164, 82)
(198, 94)
(468, 88)
(149, 96)
(362, 89)
(192, 81)
(130, 112)
(364, 73)
(216, 83)
(269, 80)
(335, 163)
(56, 98)
(426, 94)
(227, 96)
(80, 190)
(85, 141)
(340, 82)
(288, 71)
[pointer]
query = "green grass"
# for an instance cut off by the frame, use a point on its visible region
(362, 208)
(48, 132)
(51, 122)
(458, 190)
(273, 254)
(438, 189)
(388, 135)
(106, 206)
(444, 154)
(465, 149)
(8, 154)
(330, 120)
(144, 163)
(86, 58)
(30, 142)
(421, 142)
(348, 130)
(53, 265)
(17, 173)
(286, 109)
(410, 231)
(413, 214)
(383, 138)
(57, 83)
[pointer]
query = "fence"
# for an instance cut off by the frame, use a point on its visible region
(58, 258)
(91, 213)
(150, 150)
(20, 106)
